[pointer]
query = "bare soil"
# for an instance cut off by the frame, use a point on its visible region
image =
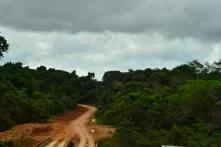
(42, 131)
(72, 126)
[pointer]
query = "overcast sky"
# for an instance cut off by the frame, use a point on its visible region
(101, 35)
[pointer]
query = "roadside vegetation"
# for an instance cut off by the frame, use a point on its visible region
(153, 107)
(22, 142)
(29, 95)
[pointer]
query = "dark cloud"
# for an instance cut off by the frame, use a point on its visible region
(101, 35)
(198, 19)
(99, 52)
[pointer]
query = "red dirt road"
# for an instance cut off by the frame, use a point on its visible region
(72, 127)
(81, 127)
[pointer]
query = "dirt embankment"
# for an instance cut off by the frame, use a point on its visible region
(77, 127)
(42, 131)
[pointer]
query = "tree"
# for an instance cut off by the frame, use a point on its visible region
(3, 45)
(158, 78)
(111, 77)
(218, 65)
(91, 75)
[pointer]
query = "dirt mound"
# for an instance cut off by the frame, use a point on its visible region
(41, 131)
(77, 127)
(69, 116)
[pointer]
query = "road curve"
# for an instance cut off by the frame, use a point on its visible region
(80, 126)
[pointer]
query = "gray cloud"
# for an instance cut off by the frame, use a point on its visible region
(199, 19)
(99, 52)
(101, 35)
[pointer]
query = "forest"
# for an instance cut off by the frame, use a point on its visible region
(28, 95)
(150, 107)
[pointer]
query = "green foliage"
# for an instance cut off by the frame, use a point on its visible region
(3, 45)
(21, 142)
(28, 95)
(181, 106)
(109, 142)
(7, 144)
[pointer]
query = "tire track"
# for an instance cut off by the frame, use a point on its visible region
(80, 128)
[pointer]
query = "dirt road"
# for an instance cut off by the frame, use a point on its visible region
(69, 127)
(80, 127)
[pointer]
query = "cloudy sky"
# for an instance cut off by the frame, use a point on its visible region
(101, 35)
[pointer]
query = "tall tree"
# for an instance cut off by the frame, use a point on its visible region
(3, 45)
